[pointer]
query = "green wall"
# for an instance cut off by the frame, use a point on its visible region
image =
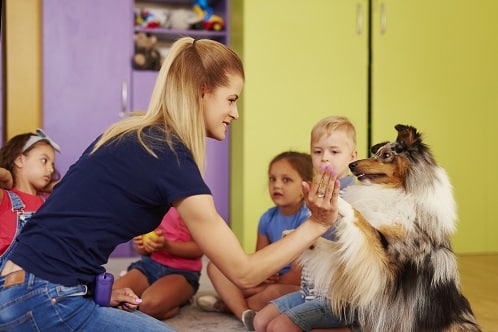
(293, 79)
(308, 61)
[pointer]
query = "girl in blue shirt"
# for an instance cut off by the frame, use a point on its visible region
(286, 172)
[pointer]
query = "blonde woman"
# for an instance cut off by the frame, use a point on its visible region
(123, 185)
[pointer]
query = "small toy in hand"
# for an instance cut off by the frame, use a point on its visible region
(146, 56)
(148, 236)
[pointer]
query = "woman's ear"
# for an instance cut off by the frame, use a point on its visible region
(204, 90)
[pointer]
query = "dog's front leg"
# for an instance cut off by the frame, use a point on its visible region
(346, 211)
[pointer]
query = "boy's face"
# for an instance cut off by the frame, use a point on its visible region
(335, 150)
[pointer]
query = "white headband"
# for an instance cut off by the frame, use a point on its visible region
(40, 136)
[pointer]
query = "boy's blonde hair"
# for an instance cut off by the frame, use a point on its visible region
(190, 68)
(330, 124)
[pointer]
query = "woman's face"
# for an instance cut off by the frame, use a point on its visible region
(220, 107)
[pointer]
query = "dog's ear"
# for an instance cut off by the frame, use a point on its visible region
(376, 147)
(408, 135)
(409, 141)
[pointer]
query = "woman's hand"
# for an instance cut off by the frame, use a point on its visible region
(321, 197)
(125, 299)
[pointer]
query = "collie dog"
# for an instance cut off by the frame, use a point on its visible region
(392, 267)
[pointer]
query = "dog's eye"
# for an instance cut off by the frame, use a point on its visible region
(386, 156)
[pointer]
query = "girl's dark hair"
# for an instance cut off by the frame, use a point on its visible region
(13, 148)
(300, 161)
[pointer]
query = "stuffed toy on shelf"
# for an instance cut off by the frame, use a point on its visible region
(146, 56)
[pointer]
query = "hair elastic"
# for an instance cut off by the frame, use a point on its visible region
(40, 136)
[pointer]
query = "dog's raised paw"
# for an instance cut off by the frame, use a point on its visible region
(345, 209)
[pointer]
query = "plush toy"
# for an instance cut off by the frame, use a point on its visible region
(183, 19)
(146, 56)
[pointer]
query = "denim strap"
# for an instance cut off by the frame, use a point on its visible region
(16, 201)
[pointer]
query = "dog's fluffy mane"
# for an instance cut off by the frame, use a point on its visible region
(392, 263)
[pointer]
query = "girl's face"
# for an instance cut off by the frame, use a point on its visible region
(33, 170)
(220, 107)
(333, 150)
(285, 188)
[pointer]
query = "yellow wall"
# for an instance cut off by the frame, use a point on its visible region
(293, 56)
(293, 79)
(23, 60)
(442, 77)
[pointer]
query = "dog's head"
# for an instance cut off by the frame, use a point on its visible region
(393, 162)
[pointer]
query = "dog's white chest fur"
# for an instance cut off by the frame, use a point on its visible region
(380, 206)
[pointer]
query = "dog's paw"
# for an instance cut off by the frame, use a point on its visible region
(345, 209)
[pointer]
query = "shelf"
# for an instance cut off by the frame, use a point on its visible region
(170, 34)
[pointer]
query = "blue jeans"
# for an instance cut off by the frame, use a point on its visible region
(315, 313)
(39, 305)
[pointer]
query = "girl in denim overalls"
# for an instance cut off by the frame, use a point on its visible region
(27, 165)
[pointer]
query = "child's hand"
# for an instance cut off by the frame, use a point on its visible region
(156, 243)
(273, 279)
(125, 299)
(138, 242)
(6, 180)
(50, 186)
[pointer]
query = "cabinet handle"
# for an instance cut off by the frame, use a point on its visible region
(383, 18)
(124, 100)
(359, 18)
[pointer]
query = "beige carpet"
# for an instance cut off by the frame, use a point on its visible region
(190, 317)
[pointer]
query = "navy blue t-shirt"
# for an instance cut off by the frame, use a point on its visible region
(106, 198)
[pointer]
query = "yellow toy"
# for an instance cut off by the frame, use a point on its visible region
(148, 236)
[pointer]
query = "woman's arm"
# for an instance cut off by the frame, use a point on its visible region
(222, 248)
(188, 249)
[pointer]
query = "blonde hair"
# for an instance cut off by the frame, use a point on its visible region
(190, 68)
(333, 123)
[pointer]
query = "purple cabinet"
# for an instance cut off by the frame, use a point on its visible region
(87, 47)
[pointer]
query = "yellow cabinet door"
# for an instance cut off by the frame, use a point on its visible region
(435, 66)
(303, 61)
